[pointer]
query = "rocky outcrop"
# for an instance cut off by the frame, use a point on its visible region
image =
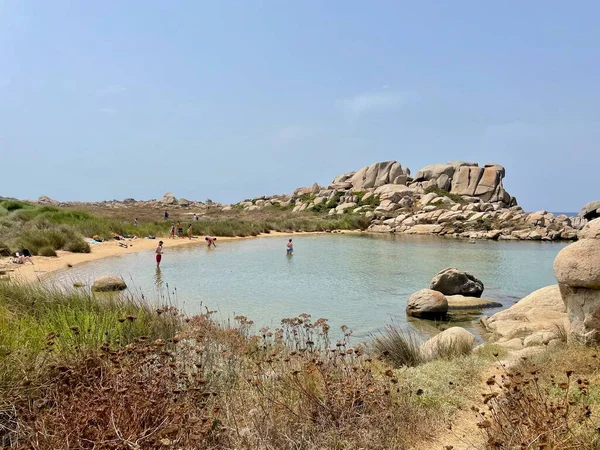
(378, 174)
(47, 201)
(534, 320)
(168, 199)
(427, 304)
(590, 210)
(108, 283)
(452, 281)
(577, 269)
(461, 302)
(453, 341)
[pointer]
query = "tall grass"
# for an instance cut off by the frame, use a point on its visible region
(35, 228)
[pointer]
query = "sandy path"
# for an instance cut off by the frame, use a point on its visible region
(44, 265)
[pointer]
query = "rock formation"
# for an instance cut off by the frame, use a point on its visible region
(453, 339)
(577, 269)
(427, 304)
(534, 320)
(590, 210)
(452, 281)
(108, 283)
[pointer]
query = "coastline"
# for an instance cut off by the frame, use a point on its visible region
(43, 266)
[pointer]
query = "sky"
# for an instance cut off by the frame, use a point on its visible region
(236, 99)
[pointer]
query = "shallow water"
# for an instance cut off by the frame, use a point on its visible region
(362, 281)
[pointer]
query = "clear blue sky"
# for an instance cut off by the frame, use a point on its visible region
(234, 99)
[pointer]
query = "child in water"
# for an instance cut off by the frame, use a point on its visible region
(290, 248)
(211, 241)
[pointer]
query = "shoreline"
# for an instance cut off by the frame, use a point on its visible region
(44, 266)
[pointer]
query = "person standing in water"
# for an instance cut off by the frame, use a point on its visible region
(211, 241)
(290, 248)
(158, 251)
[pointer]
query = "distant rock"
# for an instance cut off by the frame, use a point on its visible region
(452, 281)
(378, 174)
(427, 304)
(108, 283)
(129, 201)
(183, 202)
(47, 201)
(590, 210)
(168, 199)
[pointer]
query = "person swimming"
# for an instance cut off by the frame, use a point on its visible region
(290, 248)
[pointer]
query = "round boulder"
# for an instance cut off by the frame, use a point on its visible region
(108, 283)
(454, 341)
(578, 265)
(452, 281)
(427, 304)
(591, 230)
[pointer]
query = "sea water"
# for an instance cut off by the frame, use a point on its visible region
(359, 280)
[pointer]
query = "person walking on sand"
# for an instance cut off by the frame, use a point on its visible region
(190, 231)
(135, 222)
(196, 217)
(211, 241)
(158, 251)
(172, 234)
(290, 248)
(179, 229)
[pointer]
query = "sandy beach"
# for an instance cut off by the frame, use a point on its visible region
(45, 265)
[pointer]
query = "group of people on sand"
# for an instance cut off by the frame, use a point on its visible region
(210, 241)
(177, 231)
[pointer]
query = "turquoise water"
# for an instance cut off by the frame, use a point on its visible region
(362, 281)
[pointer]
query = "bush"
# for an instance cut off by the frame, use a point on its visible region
(400, 348)
(46, 251)
(78, 246)
(13, 205)
(454, 197)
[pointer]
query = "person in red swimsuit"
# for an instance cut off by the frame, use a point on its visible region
(158, 252)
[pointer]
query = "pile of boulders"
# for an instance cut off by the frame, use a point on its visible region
(451, 289)
(457, 199)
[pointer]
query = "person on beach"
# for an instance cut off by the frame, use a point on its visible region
(166, 215)
(196, 217)
(22, 259)
(190, 231)
(290, 248)
(158, 251)
(179, 229)
(211, 241)
(172, 233)
(135, 222)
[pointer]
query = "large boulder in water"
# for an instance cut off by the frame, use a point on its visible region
(454, 341)
(108, 283)
(427, 304)
(452, 281)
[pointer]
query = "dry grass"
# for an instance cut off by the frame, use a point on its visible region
(547, 402)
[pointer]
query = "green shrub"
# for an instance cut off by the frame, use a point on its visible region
(307, 198)
(400, 348)
(78, 246)
(46, 251)
(454, 197)
(334, 201)
(13, 205)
